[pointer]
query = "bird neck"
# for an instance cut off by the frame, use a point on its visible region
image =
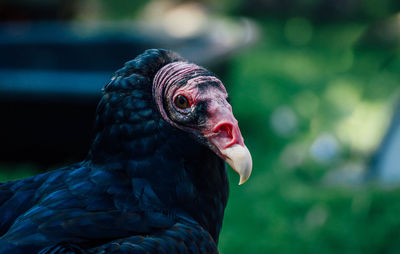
(186, 176)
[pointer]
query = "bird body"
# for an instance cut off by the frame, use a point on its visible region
(151, 183)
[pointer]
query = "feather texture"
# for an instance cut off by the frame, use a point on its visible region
(145, 186)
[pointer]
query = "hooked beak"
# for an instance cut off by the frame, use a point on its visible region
(227, 142)
(239, 158)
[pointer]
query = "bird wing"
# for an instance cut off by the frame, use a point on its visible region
(84, 205)
(182, 237)
(185, 236)
(16, 197)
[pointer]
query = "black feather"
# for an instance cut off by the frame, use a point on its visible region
(145, 186)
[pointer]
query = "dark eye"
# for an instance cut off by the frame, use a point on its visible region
(181, 102)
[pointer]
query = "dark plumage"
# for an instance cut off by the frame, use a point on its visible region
(146, 186)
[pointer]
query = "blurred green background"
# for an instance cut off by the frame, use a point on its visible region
(314, 95)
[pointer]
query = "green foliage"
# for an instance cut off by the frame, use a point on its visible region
(278, 215)
(287, 205)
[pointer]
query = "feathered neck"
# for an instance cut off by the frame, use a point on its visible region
(130, 135)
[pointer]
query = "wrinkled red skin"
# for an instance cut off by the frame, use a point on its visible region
(221, 128)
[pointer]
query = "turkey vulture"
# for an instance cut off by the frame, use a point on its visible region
(154, 180)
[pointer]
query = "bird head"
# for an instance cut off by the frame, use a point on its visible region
(192, 99)
(168, 124)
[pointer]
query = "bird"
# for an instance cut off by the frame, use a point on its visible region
(154, 179)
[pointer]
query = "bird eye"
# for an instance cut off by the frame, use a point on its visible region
(181, 102)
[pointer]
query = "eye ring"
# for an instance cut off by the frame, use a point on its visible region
(182, 102)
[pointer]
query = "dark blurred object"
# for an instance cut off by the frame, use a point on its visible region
(386, 162)
(51, 75)
(34, 10)
(50, 80)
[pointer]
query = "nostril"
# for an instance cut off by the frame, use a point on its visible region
(227, 128)
(224, 127)
(225, 131)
